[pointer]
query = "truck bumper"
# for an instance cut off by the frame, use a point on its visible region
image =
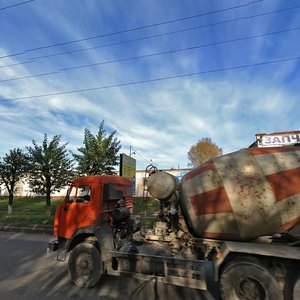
(52, 246)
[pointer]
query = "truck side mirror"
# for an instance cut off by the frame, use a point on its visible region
(110, 193)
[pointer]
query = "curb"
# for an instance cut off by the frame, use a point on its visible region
(40, 230)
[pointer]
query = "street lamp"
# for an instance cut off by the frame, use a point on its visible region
(130, 151)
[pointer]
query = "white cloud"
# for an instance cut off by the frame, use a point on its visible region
(162, 119)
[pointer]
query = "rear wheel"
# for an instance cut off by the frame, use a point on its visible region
(296, 290)
(85, 265)
(246, 279)
(292, 282)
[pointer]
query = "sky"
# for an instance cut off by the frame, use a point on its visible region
(162, 73)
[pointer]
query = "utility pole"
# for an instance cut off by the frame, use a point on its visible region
(130, 151)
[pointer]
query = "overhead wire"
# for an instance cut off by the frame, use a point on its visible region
(18, 64)
(34, 59)
(16, 4)
(162, 34)
(137, 152)
(153, 79)
(142, 56)
(170, 51)
(150, 55)
(131, 29)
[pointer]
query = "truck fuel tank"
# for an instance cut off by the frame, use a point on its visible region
(162, 185)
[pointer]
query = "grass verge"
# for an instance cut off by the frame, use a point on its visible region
(32, 212)
(28, 212)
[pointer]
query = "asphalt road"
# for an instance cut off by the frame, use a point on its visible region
(28, 272)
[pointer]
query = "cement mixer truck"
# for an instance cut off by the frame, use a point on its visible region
(230, 221)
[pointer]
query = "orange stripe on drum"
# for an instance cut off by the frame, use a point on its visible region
(259, 151)
(285, 184)
(221, 235)
(289, 225)
(211, 202)
(202, 168)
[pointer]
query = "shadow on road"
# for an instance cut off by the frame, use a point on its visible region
(30, 273)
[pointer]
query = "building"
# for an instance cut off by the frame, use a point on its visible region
(141, 174)
(23, 190)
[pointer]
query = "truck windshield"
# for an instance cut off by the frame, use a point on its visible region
(80, 194)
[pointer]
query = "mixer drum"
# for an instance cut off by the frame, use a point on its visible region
(243, 195)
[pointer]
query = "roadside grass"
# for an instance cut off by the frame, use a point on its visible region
(28, 212)
(32, 212)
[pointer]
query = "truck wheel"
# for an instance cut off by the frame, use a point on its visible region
(85, 266)
(247, 279)
(292, 283)
(296, 291)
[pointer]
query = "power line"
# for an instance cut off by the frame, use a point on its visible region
(33, 60)
(18, 64)
(147, 160)
(153, 80)
(150, 55)
(30, 76)
(166, 33)
(132, 29)
(17, 4)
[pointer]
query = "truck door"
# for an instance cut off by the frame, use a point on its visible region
(77, 211)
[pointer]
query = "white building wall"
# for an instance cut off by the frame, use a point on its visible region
(23, 189)
(140, 177)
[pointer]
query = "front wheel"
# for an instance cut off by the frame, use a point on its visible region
(85, 265)
(296, 290)
(247, 279)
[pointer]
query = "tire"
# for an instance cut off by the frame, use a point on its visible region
(246, 279)
(296, 290)
(85, 266)
(292, 283)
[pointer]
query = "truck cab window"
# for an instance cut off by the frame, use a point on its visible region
(71, 194)
(83, 194)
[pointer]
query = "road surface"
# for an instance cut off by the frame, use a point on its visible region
(28, 272)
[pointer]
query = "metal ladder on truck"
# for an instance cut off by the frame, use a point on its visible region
(150, 169)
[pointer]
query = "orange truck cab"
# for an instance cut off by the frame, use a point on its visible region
(91, 203)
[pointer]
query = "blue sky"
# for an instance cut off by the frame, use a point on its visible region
(219, 83)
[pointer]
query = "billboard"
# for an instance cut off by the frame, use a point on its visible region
(278, 139)
(128, 169)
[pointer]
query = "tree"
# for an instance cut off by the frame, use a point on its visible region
(202, 151)
(13, 168)
(99, 154)
(51, 168)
